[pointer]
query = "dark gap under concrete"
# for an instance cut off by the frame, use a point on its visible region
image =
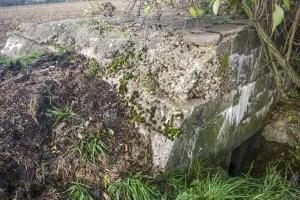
(257, 153)
(241, 153)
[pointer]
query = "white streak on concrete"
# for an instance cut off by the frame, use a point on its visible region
(235, 114)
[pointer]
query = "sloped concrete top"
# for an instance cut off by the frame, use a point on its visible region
(179, 78)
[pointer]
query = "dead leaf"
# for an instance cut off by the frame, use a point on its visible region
(126, 147)
(105, 195)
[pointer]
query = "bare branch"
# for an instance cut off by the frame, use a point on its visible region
(294, 29)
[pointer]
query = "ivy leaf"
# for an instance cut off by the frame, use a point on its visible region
(193, 12)
(199, 12)
(233, 3)
(253, 1)
(216, 6)
(278, 16)
(287, 4)
(146, 10)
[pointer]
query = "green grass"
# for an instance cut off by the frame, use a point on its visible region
(273, 185)
(23, 62)
(79, 191)
(90, 148)
(205, 183)
(92, 68)
(59, 114)
(199, 182)
(218, 186)
(6, 60)
(30, 59)
(133, 188)
(60, 49)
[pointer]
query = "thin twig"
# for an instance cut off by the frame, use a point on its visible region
(271, 46)
(269, 59)
(294, 29)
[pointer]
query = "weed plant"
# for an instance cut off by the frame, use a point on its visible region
(59, 114)
(79, 191)
(133, 188)
(90, 148)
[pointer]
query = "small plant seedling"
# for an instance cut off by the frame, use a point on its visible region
(79, 191)
(90, 148)
(42, 170)
(33, 108)
(50, 100)
(196, 12)
(59, 114)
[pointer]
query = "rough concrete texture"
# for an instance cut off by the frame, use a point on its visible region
(196, 87)
(283, 129)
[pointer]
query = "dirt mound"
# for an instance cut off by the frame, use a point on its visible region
(50, 113)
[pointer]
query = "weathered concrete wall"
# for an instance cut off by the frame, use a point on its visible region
(201, 90)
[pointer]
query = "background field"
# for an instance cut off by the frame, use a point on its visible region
(11, 17)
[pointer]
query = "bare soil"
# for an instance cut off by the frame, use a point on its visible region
(36, 160)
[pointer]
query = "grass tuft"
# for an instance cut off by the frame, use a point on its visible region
(219, 185)
(205, 183)
(90, 148)
(79, 191)
(133, 188)
(59, 114)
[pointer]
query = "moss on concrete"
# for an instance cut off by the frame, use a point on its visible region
(170, 131)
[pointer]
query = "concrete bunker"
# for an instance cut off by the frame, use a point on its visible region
(197, 91)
